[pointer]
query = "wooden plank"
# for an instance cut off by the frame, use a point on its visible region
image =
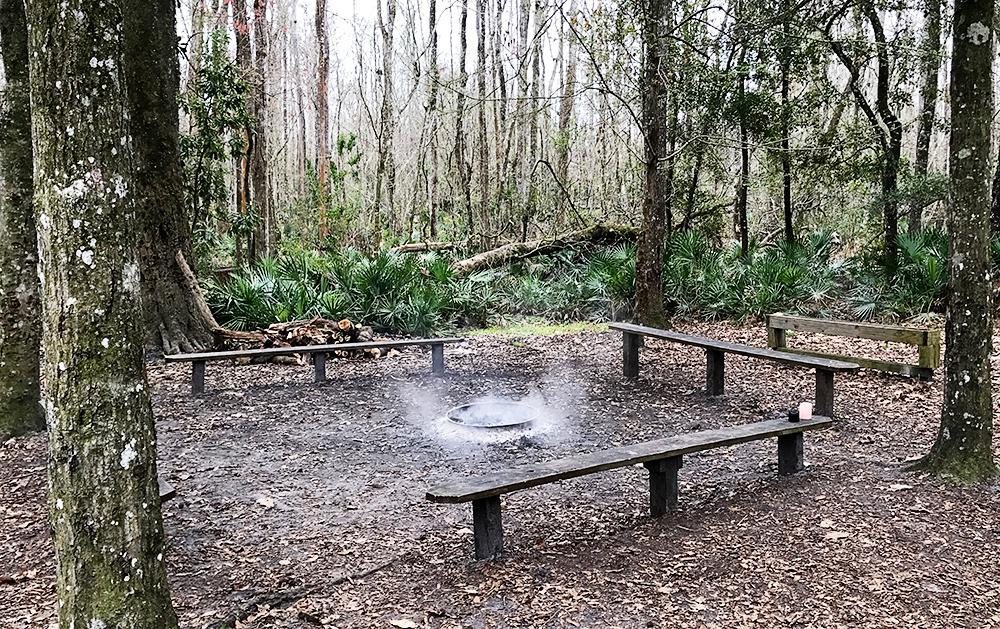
(487, 527)
(630, 354)
(663, 492)
(733, 348)
(304, 349)
(476, 488)
(835, 327)
(866, 363)
(198, 377)
(790, 458)
(715, 372)
(437, 358)
(824, 393)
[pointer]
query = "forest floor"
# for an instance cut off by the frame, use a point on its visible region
(301, 505)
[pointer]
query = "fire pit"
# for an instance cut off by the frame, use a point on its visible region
(494, 414)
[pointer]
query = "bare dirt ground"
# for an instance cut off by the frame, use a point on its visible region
(301, 505)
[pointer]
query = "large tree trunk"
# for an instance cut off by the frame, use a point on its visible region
(20, 324)
(385, 174)
(243, 198)
(103, 497)
(649, 250)
(963, 449)
(174, 312)
(930, 64)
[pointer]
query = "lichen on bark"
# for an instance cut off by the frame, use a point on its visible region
(103, 496)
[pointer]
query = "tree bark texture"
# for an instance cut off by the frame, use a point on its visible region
(103, 497)
(564, 134)
(173, 313)
(930, 64)
(434, 79)
(243, 199)
(20, 310)
(464, 177)
(484, 149)
(963, 448)
(649, 249)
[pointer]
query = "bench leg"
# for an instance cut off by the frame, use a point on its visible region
(790, 454)
(630, 354)
(487, 527)
(319, 366)
(715, 373)
(198, 377)
(663, 484)
(437, 358)
(824, 393)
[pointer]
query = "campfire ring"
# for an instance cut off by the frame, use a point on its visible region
(497, 414)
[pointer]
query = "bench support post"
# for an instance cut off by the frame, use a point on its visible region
(663, 484)
(824, 392)
(715, 372)
(790, 453)
(630, 354)
(198, 377)
(487, 527)
(319, 366)
(437, 358)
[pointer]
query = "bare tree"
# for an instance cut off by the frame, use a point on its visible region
(484, 149)
(385, 173)
(322, 113)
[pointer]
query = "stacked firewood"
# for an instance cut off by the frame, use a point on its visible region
(315, 331)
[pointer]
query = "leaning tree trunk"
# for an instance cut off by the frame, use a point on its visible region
(963, 449)
(175, 316)
(20, 325)
(103, 498)
(649, 249)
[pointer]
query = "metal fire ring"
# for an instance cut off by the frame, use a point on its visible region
(499, 414)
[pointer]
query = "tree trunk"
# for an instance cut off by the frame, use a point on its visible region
(484, 149)
(264, 235)
(564, 136)
(786, 153)
(103, 497)
(963, 448)
(930, 65)
(434, 78)
(174, 314)
(322, 110)
(649, 249)
(20, 310)
(385, 174)
(463, 79)
(243, 198)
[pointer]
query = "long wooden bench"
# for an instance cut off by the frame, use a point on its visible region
(317, 352)
(928, 341)
(663, 458)
(715, 352)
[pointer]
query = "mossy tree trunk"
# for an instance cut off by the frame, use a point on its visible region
(963, 448)
(20, 323)
(176, 317)
(103, 499)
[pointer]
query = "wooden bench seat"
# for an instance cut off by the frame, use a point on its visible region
(663, 458)
(715, 352)
(927, 341)
(318, 353)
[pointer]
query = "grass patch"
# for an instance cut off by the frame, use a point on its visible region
(534, 326)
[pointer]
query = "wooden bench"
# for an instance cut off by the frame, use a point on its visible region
(663, 458)
(715, 352)
(928, 341)
(318, 353)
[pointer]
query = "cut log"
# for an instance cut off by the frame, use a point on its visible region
(598, 234)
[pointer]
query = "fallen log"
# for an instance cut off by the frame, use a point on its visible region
(599, 234)
(415, 247)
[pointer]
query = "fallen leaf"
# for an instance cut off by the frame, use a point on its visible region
(404, 624)
(826, 524)
(898, 487)
(836, 535)
(267, 503)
